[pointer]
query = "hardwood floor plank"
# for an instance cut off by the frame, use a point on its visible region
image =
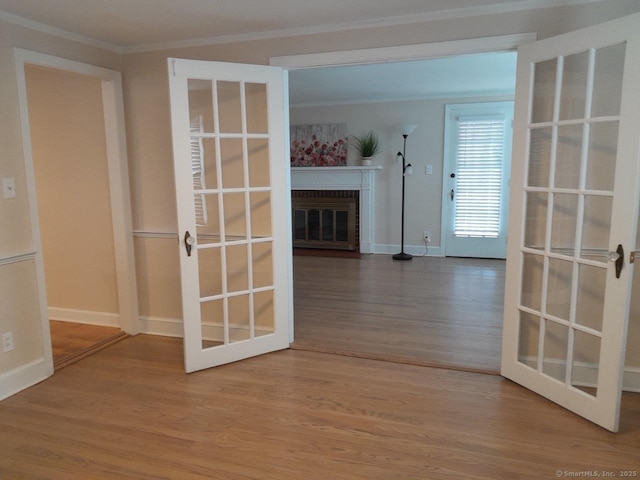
(431, 311)
(130, 411)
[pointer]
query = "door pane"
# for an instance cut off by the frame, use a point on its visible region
(263, 313)
(539, 157)
(261, 214)
(229, 107)
(209, 163)
(237, 268)
(590, 302)
(574, 86)
(212, 321)
(607, 80)
(536, 220)
(532, 269)
(235, 220)
(528, 339)
(232, 161)
(544, 91)
(586, 362)
(258, 155)
(210, 272)
(256, 102)
(560, 280)
(239, 318)
(596, 228)
(568, 156)
(200, 105)
(601, 158)
(262, 254)
(556, 340)
(207, 218)
(563, 227)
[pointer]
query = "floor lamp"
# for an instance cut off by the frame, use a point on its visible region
(407, 169)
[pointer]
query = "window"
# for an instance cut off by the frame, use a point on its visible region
(480, 149)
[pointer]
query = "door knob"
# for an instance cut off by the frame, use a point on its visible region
(618, 258)
(189, 242)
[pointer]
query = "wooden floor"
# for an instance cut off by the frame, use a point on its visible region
(429, 311)
(71, 342)
(130, 411)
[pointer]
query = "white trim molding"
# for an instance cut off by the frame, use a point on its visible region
(88, 317)
(24, 376)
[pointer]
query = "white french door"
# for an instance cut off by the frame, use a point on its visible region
(232, 188)
(476, 179)
(573, 216)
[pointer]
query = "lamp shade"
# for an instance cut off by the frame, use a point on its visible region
(407, 129)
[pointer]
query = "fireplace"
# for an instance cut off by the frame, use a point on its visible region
(351, 182)
(325, 219)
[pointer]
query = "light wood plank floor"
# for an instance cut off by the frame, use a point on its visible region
(429, 311)
(130, 411)
(71, 342)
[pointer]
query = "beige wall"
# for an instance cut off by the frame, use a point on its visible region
(72, 183)
(19, 311)
(425, 146)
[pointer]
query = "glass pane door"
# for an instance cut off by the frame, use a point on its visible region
(566, 307)
(226, 192)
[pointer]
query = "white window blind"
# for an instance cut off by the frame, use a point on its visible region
(480, 142)
(197, 170)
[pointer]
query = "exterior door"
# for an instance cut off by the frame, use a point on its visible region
(476, 179)
(232, 187)
(574, 211)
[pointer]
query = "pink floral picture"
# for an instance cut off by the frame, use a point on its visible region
(319, 145)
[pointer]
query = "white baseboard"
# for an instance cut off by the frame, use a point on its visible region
(415, 250)
(84, 316)
(24, 376)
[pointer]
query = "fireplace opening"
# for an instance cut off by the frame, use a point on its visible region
(325, 219)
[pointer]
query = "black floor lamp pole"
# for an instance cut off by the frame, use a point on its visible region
(402, 255)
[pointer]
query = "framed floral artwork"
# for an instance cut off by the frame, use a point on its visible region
(319, 145)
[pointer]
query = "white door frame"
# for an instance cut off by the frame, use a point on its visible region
(398, 54)
(113, 107)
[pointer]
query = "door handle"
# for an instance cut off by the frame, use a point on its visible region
(618, 258)
(452, 193)
(189, 241)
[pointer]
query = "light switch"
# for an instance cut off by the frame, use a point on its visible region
(428, 170)
(9, 188)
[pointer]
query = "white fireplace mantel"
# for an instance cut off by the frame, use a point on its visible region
(343, 178)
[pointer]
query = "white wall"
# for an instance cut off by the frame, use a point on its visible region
(425, 146)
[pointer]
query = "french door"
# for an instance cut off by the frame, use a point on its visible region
(573, 217)
(232, 187)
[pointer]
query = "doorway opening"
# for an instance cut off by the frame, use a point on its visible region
(75, 160)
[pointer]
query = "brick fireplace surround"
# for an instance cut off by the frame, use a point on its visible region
(360, 179)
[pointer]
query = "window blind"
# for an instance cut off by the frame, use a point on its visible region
(480, 152)
(197, 170)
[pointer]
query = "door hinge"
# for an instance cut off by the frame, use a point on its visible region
(173, 67)
(632, 257)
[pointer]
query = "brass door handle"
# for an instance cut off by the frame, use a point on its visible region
(189, 242)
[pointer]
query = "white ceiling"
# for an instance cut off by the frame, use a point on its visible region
(138, 25)
(131, 24)
(469, 75)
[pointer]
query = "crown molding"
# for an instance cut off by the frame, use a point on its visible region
(58, 32)
(293, 32)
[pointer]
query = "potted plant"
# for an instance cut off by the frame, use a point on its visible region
(368, 145)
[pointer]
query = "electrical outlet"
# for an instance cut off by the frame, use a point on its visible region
(427, 236)
(7, 342)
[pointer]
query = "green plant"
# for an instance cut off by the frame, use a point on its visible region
(368, 144)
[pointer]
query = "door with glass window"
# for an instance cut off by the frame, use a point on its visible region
(232, 189)
(574, 212)
(476, 179)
